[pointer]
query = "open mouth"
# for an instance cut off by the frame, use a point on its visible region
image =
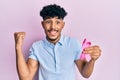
(53, 32)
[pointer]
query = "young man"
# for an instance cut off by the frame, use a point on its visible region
(56, 55)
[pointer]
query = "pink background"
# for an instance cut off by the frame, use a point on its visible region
(97, 20)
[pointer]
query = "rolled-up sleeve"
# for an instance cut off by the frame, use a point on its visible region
(32, 53)
(78, 50)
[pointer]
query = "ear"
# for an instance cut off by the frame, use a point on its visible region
(42, 24)
(63, 24)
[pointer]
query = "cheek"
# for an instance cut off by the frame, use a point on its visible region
(46, 28)
(61, 28)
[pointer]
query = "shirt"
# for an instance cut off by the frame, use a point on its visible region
(57, 62)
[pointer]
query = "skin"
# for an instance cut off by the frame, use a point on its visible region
(26, 70)
(52, 27)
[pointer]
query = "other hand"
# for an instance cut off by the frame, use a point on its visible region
(94, 52)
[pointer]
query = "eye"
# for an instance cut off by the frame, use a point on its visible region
(47, 22)
(57, 22)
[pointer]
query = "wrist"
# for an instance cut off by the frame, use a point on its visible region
(18, 47)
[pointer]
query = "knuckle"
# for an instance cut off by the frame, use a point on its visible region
(96, 46)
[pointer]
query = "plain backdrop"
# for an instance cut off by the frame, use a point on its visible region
(97, 20)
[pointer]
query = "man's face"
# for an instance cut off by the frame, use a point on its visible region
(53, 27)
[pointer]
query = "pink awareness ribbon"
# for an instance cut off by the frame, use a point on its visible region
(85, 44)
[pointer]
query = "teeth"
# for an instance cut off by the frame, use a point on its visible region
(53, 32)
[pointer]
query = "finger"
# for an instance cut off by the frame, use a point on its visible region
(23, 33)
(92, 47)
(94, 57)
(92, 51)
(95, 54)
(15, 34)
(19, 34)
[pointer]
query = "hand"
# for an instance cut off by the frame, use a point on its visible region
(94, 52)
(19, 37)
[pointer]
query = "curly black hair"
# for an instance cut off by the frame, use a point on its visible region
(53, 10)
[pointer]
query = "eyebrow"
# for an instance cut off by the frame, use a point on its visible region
(50, 19)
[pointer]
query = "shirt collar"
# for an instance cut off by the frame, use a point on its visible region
(59, 42)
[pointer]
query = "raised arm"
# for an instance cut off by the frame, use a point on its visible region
(26, 70)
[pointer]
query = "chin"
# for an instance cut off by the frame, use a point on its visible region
(53, 37)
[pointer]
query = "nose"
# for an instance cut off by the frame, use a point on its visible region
(53, 25)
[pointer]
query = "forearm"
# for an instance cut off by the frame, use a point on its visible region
(21, 64)
(88, 69)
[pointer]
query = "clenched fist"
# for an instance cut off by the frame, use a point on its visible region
(19, 37)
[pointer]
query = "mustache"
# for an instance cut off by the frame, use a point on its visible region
(52, 29)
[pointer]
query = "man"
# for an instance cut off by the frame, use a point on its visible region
(56, 55)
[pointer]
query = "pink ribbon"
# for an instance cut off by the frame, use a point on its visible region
(85, 44)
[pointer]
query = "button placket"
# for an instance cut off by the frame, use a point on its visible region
(56, 57)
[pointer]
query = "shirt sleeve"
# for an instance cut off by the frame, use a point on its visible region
(32, 53)
(78, 50)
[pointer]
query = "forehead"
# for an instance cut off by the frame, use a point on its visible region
(53, 18)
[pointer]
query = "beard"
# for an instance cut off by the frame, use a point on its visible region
(51, 39)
